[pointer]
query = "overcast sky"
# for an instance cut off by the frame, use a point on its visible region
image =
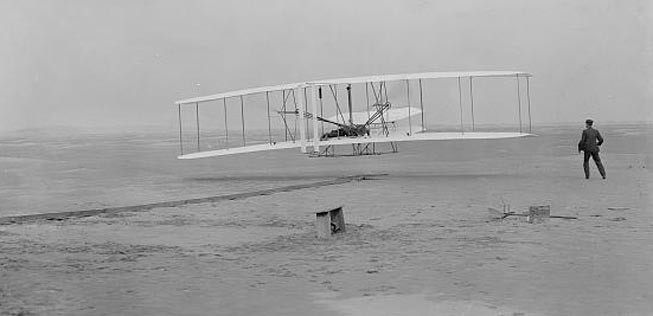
(98, 63)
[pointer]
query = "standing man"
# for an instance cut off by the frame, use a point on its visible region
(589, 143)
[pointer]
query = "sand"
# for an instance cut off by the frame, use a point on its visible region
(418, 241)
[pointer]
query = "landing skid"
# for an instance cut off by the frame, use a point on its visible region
(357, 150)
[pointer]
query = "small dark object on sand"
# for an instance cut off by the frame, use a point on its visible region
(618, 208)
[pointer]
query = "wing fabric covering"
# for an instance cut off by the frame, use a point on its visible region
(428, 136)
(241, 150)
(354, 80)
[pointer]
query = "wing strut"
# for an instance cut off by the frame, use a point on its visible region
(181, 141)
(471, 99)
(305, 107)
(410, 125)
(283, 108)
(197, 120)
(518, 102)
(528, 97)
(294, 100)
(321, 108)
(385, 90)
(460, 102)
(242, 118)
(302, 122)
(316, 139)
(421, 104)
(351, 120)
(367, 99)
(226, 126)
(267, 100)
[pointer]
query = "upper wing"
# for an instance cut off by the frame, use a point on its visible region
(422, 75)
(354, 80)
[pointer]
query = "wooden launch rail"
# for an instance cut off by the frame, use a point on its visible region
(534, 214)
(19, 219)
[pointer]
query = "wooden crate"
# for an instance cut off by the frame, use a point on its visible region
(330, 222)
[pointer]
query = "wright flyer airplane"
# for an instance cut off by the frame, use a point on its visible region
(362, 112)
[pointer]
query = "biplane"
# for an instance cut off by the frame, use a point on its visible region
(316, 116)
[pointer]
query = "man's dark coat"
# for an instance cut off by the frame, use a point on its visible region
(590, 141)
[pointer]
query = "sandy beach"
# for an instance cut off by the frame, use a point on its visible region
(419, 238)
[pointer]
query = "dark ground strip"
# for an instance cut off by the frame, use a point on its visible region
(19, 219)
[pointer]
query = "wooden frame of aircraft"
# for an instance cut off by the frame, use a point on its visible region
(362, 130)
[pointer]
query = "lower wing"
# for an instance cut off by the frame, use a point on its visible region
(396, 137)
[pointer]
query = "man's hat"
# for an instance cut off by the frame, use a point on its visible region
(589, 121)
